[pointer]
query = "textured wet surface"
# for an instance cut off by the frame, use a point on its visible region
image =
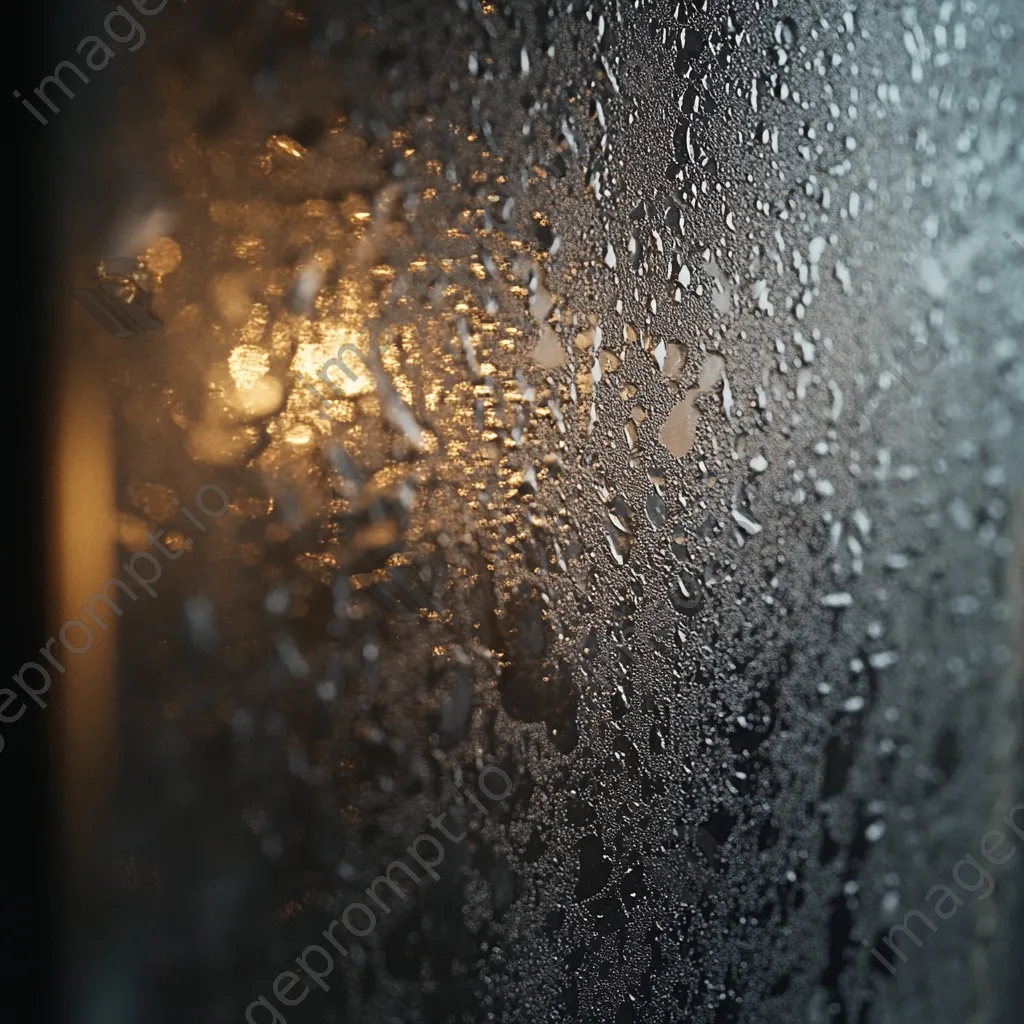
(675, 476)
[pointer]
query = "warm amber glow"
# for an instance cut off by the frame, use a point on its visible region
(162, 257)
(310, 358)
(85, 522)
(248, 364)
(299, 435)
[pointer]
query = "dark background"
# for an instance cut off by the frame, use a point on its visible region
(29, 776)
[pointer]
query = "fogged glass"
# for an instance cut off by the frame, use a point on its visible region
(543, 489)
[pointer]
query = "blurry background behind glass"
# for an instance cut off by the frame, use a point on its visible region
(199, 730)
